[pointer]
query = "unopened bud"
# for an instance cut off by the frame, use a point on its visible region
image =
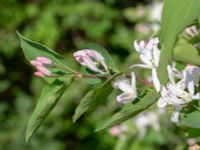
(44, 70)
(35, 63)
(39, 74)
(44, 60)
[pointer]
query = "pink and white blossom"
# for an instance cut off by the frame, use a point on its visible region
(91, 59)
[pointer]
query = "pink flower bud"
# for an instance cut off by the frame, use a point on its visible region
(191, 141)
(39, 74)
(90, 58)
(44, 60)
(44, 70)
(115, 131)
(36, 63)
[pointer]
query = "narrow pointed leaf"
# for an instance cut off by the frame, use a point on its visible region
(130, 110)
(47, 100)
(33, 49)
(94, 97)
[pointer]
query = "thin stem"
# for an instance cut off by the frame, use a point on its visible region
(80, 75)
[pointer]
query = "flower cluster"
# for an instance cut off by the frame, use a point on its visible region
(41, 63)
(180, 90)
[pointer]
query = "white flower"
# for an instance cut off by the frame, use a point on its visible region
(129, 89)
(143, 120)
(156, 11)
(149, 55)
(178, 94)
(91, 59)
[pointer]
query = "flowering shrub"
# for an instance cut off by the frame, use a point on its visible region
(172, 58)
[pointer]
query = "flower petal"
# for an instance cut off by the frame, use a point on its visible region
(137, 47)
(161, 103)
(90, 64)
(146, 61)
(133, 83)
(155, 80)
(196, 96)
(141, 65)
(191, 87)
(170, 74)
(125, 98)
(175, 115)
(156, 55)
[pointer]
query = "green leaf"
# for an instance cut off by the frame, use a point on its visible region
(108, 59)
(130, 110)
(94, 97)
(191, 119)
(90, 81)
(187, 53)
(33, 49)
(174, 20)
(177, 15)
(47, 100)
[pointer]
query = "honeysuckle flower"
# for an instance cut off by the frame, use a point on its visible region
(149, 55)
(143, 120)
(91, 59)
(129, 89)
(41, 63)
(178, 94)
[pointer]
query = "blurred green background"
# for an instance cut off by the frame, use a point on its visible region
(67, 26)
